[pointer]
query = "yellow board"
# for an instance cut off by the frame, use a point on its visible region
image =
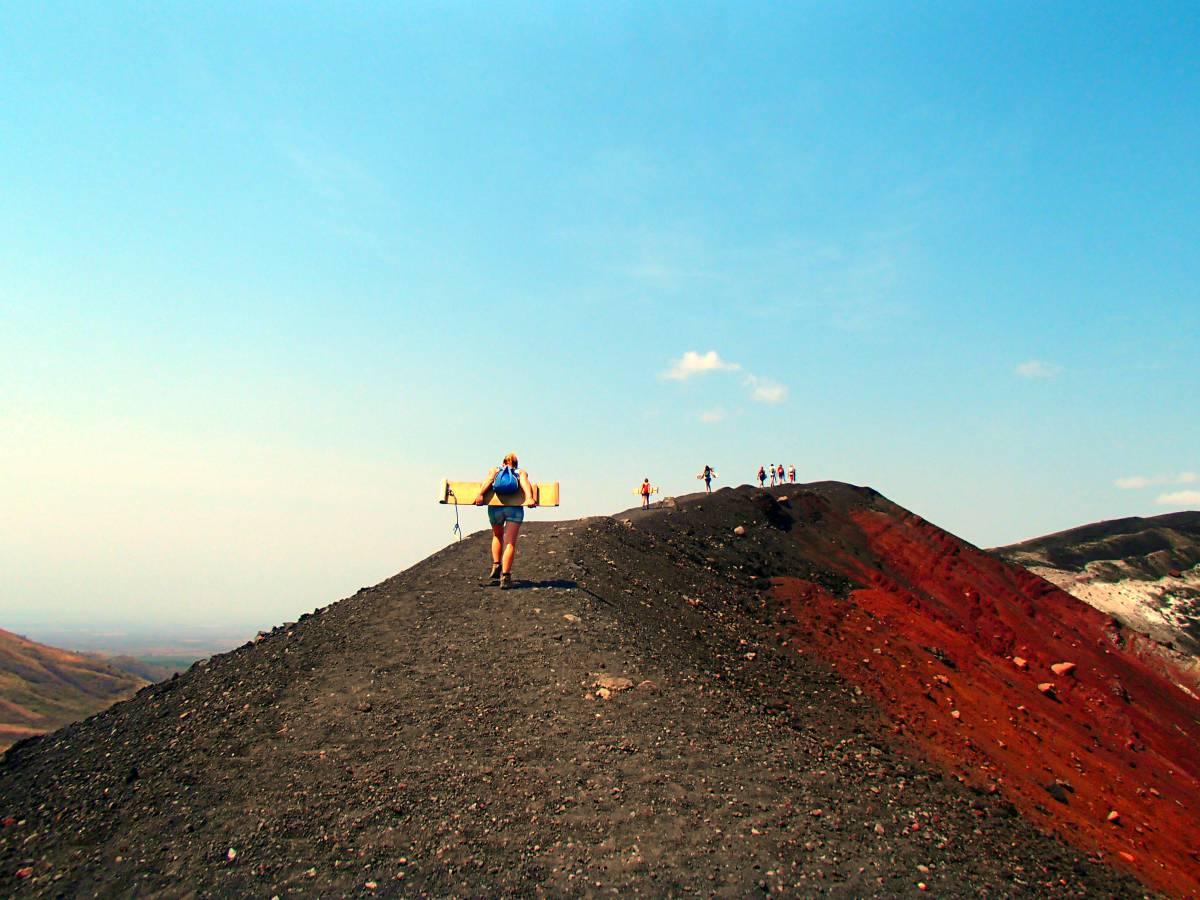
(464, 492)
(637, 491)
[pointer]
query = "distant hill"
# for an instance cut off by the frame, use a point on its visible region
(43, 688)
(1145, 572)
(149, 669)
(806, 690)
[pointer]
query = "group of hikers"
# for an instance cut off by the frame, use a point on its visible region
(776, 473)
(646, 489)
(507, 480)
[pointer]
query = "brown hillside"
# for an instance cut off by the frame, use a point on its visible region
(43, 688)
(1145, 572)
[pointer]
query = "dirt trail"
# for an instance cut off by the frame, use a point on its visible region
(435, 736)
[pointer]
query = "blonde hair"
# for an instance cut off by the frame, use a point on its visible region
(510, 459)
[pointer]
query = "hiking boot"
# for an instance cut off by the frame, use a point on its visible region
(506, 581)
(494, 575)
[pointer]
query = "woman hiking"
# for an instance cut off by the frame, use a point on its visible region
(505, 480)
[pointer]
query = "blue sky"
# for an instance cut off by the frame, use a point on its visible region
(269, 271)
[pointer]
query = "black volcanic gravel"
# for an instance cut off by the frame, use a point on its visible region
(434, 736)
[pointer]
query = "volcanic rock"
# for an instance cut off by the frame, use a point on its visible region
(613, 683)
(1058, 791)
(1063, 668)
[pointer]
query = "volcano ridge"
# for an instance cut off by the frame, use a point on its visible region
(432, 720)
(931, 619)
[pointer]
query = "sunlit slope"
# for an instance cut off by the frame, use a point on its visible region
(43, 688)
(1144, 572)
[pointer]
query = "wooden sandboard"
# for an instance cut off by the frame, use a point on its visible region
(463, 493)
(637, 490)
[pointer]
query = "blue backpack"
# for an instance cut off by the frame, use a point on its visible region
(506, 481)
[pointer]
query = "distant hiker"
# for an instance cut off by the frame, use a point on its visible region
(645, 492)
(762, 477)
(709, 474)
(792, 474)
(771, 471)
(505, 479)
(780, 471)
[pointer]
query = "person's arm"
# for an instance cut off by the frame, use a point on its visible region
(527, 487)
(485, 487)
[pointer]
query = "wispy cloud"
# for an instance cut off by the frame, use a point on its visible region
(1135, 482)
(765, 390)
(693, 363)
(1179, 498)
(712, 416)
(861, 284)
(344, 196)
(761, 389)
(1036, 368)
(662, 274)
(330, 174)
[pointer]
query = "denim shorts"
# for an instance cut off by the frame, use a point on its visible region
(501, 515)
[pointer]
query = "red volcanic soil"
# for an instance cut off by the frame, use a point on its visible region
(954, 643)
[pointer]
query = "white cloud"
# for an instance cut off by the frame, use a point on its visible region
(1179, 498)
(712, 416)
(1133, 482)
(764, 390)
(693, 363)
(1036, 368)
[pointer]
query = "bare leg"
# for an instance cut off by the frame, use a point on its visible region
(497, 535)
(511, 530)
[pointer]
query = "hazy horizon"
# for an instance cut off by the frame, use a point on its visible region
(269, 274)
